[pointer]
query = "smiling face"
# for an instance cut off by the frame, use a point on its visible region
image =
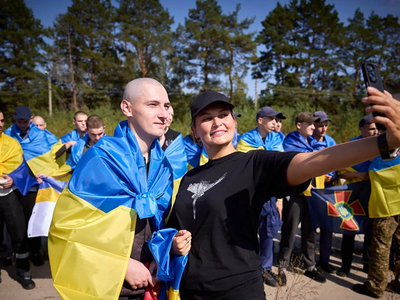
(215, 126)
(305, 128)
(146, 109)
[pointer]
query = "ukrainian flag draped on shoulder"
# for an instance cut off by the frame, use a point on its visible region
(294, 141)
(77, 152)
(37, 150)
(385, 187)
(196, 155)
(252, 140)
(71, 136)
(94, 220)
(341, 209)
(13, 164)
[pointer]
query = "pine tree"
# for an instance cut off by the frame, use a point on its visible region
(21, 40)
(146, 36)
(239, 50)
(200, 42)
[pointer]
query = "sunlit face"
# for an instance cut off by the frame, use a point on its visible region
(80, 122)
(266, 125)
(22, 124)
(278, 126)
(320, 130)
(305, 128)
(95, 134)
(215, 125)
(369, 129)
(1, 122)
(39, 122)
(147, 115)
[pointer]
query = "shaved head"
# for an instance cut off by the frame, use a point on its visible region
(39, 122)
(139, 87)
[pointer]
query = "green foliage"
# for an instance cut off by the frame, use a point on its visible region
(20, 45)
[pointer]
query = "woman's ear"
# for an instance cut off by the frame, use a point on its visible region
(194, 131)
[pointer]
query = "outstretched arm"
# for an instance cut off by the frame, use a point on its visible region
(308, 165)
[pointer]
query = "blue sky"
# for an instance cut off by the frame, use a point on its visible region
(47, 10)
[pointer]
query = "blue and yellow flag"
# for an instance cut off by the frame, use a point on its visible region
(385, 187)
(341, 209)
(37, 150)
(71, 136)
(12, 163)
(294, 141)
(170, 267)
(252, 140)
(94, 220)
(196, 155)
(42, 213)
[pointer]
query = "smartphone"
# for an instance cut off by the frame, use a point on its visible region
(372, 77)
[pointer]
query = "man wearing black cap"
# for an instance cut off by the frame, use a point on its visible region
(355, 174)
(295, 210)
(264, 137)
(11, 210)
(320, 140)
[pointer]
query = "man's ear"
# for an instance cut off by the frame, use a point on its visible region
(126, 108)
(298, 125)
(259, 120)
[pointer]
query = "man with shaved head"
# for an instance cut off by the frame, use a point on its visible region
(119, 193)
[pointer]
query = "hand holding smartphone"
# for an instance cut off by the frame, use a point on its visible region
(372, 78)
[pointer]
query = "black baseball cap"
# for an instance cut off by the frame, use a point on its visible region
(22, 112)
(321, 115)
(366, 120)
(205, 99)
(268, 111)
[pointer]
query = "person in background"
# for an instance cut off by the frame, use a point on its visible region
(79, 121)
(11, 210)
(320, 140)
(295, 210)
(41, 124)
(352, 174)
(264, 137)
(237, 135)
(385, 213)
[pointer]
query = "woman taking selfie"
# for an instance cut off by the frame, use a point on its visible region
(220, 202)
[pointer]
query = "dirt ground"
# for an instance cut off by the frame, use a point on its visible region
(298, 287)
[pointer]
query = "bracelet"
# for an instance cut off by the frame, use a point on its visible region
(386, 154)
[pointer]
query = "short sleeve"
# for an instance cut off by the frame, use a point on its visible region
(271, 169)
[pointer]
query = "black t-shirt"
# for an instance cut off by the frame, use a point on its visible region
(220, 204)
(170, 136)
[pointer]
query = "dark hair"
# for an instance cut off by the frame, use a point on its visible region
(94, 122)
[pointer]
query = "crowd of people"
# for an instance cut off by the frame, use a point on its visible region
(145, 210)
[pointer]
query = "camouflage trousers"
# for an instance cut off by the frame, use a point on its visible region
(384, 229)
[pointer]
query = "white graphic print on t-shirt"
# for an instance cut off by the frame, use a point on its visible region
(198, 190)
